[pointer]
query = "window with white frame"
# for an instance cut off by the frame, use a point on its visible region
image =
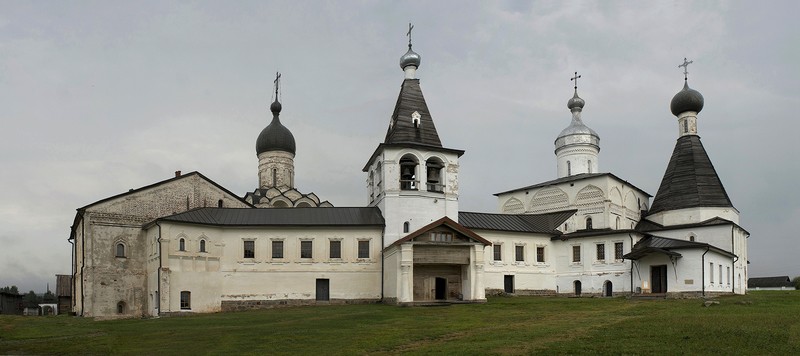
(576, 254)
(720, 274)
(249, 247)
(540, 254)
(186, 300)
(335, 249)
(363, 248)
(519, 253)
(498, 252)
(202, 245)
(601, 252)
(306, 249)
(711, 272)
(277, 249)
(618, 252)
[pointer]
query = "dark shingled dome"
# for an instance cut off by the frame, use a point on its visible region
(687, 99)
(275, 137)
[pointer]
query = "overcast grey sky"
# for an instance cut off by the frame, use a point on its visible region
(100, 97)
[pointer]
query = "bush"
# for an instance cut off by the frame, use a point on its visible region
(796, 283)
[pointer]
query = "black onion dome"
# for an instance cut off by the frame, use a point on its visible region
(275, 137)
(687, 99)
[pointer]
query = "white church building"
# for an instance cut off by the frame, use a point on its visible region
(188, 245)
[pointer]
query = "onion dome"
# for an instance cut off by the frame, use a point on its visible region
(411, 58)
(575, 102)
(577, 132)
(275, 137)
(687, 99)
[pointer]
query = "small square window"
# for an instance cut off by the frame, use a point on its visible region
(540, 254)
(306, 249)
(249, 249)
(336, 249)
(363, 249)
(498, 252)
(277, 249)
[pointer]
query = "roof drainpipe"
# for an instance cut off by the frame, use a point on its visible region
(703, 270)
(83, 262)
(71, 241)
(734, 259)
(631, 237)
(383, 233)
(158, 273)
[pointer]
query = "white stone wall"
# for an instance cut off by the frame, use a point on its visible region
(224, 274)
(582, 159)
(692, 272)
(693, 215)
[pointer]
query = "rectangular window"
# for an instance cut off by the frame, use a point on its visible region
(540, 254)
(441, 237)
(306, 248)
(250, 249)
(336, 249)
(711, 272)
(618, 251)
(498, 252)
(363, 249)
(728, 275)
(277, 249)
(576, 253)
(186, 300)
(720, 274)
(601, 252)
(519, 253)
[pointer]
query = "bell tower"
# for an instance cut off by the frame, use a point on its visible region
(411, 177)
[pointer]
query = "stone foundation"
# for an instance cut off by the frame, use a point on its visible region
(242, 305)
(521, 292)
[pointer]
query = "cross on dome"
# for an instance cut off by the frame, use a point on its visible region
(575, 78)
(277, 83)
(410, 27)
(685, 66)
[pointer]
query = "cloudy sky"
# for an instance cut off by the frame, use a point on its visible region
(100, 97)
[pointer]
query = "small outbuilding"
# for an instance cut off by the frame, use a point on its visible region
(770, 283)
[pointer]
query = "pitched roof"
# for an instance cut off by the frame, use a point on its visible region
(665, 245)
(444, 221)
(280, 217)
(769, 282)
(536, 223)
(690, 180)
(402, 129)
(591, 233)
(573, 178)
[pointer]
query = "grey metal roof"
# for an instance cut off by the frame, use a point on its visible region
(574, 178)
(690, 180)
(280, 217)
(538, 223)
(657, 244)
(769, 282)
(645, 225)
(685, 100)
(401, 129)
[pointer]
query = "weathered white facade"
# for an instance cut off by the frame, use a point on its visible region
(187, 245)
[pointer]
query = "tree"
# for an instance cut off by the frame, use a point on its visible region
(12, 289)
(31, 300)
(796, 282)
(49, 297)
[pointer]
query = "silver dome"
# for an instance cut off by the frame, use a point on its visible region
(685, 100)
(411, 58)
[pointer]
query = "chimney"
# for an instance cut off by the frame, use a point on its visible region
(177, 174)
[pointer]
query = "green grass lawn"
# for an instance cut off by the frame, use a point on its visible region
(758, 323)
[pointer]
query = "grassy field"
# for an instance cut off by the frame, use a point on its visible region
(759, 323)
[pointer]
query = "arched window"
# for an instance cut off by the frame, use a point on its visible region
(617, 222)
(219, 203)
(182, 245)
(121, 307)
(405, 226)
(274, 177)
(120, 251)
(685, 126)
(408, 173)
(569, 168)
(371, 185)
(590, 166)
(588, 223)
(202, 245)
(434, 175)
(691, 237)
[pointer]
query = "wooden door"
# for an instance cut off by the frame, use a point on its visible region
(323, 289)
(658, 279)
(508, 283)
